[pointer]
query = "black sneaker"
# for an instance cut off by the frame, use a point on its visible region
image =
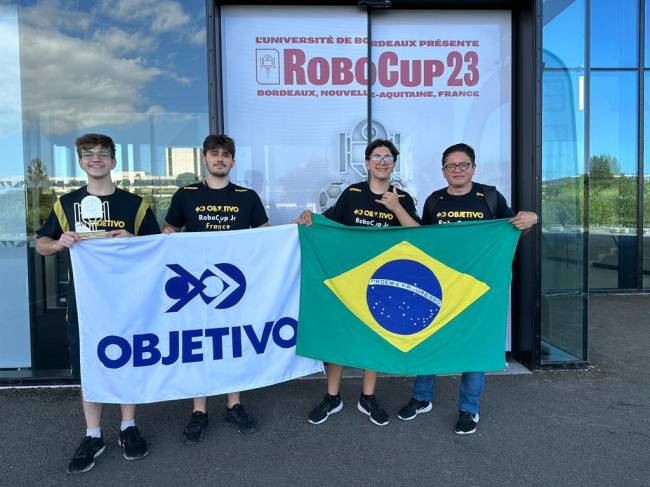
(413, 408)
(84, 456)
(133, 443)
(193, 432)
(369, 405)
(240, 418)
(466, 424)
(329, 405)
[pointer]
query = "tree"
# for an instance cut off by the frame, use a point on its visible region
(36, 174)
(185, 178)
(602, 170)
(39, 196)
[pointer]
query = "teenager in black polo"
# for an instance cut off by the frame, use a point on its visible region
(462, 200)
(216, 204)
(374, 203)
(125, 215)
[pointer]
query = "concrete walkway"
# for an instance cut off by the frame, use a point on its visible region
(551, 428)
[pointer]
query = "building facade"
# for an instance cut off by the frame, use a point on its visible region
(550, 93)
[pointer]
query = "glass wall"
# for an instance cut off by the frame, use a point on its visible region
(132, 70)
(564, 232)
(613, 180)
(613, 149)
(591, 161)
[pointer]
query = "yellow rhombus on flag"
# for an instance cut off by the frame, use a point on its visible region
(456, 292)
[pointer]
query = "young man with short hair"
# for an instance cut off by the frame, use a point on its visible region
(123, 214)
(461, 200)
(216, 204)
(392, 207)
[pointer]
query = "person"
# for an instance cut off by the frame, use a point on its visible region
(462, 200)
(216, 204)
(124, 215)
(377, 203)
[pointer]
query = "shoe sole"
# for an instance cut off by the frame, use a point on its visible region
(423, 410)
(243, 432)
(364, 411)
(460, 432)
(333, 411)
(99, 452)
(126, 457)
(187, 441)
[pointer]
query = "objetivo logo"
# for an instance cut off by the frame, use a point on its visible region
(221, 285)
(404, 296)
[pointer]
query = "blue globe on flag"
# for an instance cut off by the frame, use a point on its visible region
(404, 296)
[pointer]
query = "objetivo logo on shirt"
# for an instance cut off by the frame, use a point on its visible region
(221, 285)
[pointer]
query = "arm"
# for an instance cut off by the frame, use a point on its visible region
(524, 220)
(167, 229)
(304, 218)
(49, 246)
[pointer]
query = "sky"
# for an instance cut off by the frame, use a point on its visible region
(126, 67)
(613, 94)
(137, 69)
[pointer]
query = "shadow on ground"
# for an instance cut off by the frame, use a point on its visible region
(550, 428)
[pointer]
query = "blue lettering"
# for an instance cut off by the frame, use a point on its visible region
(173, 349)
(140, 349)
(236, 342)
(217, 335)
(120, 342)
(277, 338)
(259, 344)
(189, 345)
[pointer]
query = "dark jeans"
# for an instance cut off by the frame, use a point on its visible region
(471, 387)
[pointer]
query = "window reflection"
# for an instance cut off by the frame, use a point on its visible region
(563, 293)
(564, 33)
(646, 188)
(613, 180)
(128, 69)
(614, 34)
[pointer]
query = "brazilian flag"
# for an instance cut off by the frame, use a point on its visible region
(424, 300)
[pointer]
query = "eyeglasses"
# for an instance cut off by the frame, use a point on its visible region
(463, 166)
(102, 154)
(378, 159)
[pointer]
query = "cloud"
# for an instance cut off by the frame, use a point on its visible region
(57, 14)
(78, 83)
(74, 78)
(198, 37)
(163, 16)
(121, 42)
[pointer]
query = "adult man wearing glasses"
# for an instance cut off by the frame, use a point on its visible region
(461, 200)
(216, 204)
(123, 214)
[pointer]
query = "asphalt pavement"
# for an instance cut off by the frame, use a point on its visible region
(550, 428)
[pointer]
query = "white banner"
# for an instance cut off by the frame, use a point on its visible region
(189, 314)
(437, 78)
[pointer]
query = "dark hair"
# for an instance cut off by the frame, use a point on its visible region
(88, 141)
(224, 142)
(459, 148)
(381, 143)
